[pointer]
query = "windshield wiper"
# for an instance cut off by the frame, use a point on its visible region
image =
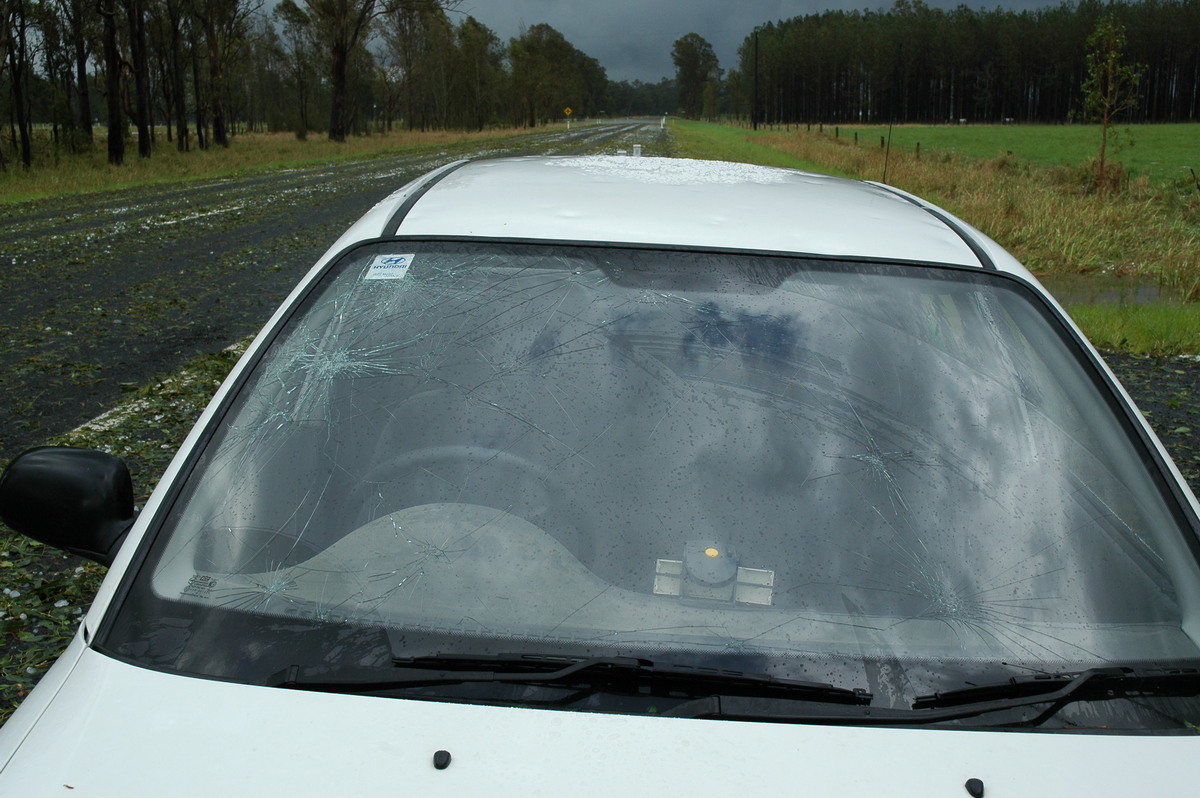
(593, 672)
(1053, 690)
(1111, 682)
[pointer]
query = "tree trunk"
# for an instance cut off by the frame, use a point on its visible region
(216, 83)
(216, 80)
(337, 95)
(201, 123)
(141, 75)
(18, 66)
(112, 87)
(84, 105)
(178, 92)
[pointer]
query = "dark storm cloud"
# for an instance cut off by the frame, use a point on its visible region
(632, 38)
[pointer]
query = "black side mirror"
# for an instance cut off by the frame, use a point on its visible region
(79, 500)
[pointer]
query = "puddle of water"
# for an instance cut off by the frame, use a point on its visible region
(1103, 289)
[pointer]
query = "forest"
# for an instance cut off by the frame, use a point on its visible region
(913, 63)
(192, 73)
(138, 75)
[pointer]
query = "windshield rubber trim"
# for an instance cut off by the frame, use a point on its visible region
(397, 218)
(669, 247)
(985, 260)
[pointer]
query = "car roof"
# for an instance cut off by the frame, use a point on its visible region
(679, 202)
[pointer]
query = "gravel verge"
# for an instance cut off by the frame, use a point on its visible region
(1167, 391)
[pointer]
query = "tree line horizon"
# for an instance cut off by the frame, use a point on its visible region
(916, 64)
(189, 74)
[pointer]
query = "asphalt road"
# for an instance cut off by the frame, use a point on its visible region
(103, 292)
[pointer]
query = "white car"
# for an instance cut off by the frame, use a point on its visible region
(635, 476)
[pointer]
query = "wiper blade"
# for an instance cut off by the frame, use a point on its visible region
(595, 672)
(1109, 682)
(1053, 690)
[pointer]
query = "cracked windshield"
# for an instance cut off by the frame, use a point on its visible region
(868, 474)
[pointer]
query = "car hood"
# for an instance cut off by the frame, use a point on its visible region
(112, 729)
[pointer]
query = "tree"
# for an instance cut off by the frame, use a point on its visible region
(112, 83)
(135, 11)
(63, 56)
(168, 36)
(344, 22)
(79, 17)
(224, 24)
(642, 99)
(299, 44)
(549, 75)
(1111, 85)
(420, 39)
(696, 67)
(16, 20)
(6, 11)
(477, 74)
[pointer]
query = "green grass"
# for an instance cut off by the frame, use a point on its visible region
(728, 143)
(1159, 152)
(1156, 328)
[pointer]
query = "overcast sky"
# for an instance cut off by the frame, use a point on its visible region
(632, 38)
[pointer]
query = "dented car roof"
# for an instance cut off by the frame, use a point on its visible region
(672, 202)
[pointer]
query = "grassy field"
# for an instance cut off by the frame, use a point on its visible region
(1161, 153)
(1155, 327)
(1048, 214)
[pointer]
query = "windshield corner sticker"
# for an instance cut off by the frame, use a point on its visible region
(388, 267)
(200, 586)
